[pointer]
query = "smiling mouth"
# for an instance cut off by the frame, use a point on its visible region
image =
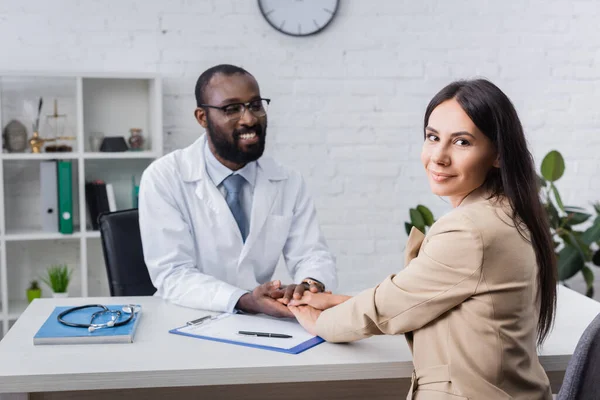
(248, 137)
(439, 177)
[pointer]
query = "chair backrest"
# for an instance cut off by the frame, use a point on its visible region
(581, 380)
(124, 255)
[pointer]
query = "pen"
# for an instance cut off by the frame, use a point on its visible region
(265, 334)
(197, 321)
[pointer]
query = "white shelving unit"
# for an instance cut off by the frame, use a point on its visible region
(106, 103)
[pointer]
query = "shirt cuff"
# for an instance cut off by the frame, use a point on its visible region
(233, 299)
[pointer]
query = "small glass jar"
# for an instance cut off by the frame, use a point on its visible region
(136, 140)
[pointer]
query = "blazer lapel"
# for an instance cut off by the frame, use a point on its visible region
(415, 239)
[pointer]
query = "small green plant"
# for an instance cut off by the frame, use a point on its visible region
(34, 291)
(576, 249)
(420, 217)
(58, 278)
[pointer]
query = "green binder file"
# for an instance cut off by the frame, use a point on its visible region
(65, 196)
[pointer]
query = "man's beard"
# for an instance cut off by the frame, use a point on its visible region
(231, 151)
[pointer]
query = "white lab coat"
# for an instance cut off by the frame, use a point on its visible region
(193, 247)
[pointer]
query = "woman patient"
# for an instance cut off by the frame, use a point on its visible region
(478, 292)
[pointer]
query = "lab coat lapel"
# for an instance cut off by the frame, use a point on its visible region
(194, 170)
(266, 190)
(265, 193)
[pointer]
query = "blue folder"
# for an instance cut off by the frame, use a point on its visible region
(307, 344)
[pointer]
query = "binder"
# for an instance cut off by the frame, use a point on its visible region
(65, 196)
(110, 193)
(49, 196)
(225, 328)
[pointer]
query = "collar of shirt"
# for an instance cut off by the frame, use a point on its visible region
(218, 172)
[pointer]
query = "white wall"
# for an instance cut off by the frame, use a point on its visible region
(348, 103)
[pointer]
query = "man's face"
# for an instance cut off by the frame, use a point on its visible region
(233, 141)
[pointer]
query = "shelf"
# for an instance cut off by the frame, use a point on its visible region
(16, 308)
(75, 155)
(91, 234)
(38, 156)
(39, 235)
(121, 154)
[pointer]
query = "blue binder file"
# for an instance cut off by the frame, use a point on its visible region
(225, 328)
(53, 332)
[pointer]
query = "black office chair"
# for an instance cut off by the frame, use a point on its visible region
(123, 254)
(581, 378)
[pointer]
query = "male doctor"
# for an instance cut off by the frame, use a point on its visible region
(216, 216)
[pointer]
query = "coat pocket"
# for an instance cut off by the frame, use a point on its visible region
(433, 383)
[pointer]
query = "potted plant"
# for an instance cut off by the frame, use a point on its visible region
(577, 249)
(34, 291)
(58, 279)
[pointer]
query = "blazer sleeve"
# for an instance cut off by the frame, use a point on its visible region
(445, 273)
(169, 248)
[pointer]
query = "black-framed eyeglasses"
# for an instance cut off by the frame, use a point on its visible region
(235, 111)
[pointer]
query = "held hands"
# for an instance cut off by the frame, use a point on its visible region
(307, 317)
(263, 300)
(320, 301)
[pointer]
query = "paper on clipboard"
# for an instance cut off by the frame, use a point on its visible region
(225, 328)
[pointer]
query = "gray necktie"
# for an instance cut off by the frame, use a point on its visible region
(233, 186)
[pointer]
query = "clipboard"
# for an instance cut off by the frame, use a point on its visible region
(224, 328)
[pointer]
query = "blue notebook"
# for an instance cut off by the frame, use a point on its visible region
(53, 332)
(225, 328)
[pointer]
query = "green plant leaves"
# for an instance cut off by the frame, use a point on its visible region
(427, 215)
(559, 202)
(417, 219)
(553, 166)
(569, 262)
(576, 215)
(588, 275)
(58, 278)
(420, 217)
(592, 234)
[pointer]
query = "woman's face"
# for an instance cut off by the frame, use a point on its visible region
(456, 154)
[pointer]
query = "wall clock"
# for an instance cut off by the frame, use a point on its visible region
(298, 17)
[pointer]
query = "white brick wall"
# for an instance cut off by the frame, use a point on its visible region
(347, 104)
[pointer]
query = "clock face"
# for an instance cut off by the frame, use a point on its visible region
(298, 17)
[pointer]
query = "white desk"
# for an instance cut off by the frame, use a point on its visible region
(193, 367)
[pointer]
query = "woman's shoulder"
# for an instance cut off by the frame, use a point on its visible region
(486, 214)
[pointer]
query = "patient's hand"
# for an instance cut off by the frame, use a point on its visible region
(307, 317)
(320, 301)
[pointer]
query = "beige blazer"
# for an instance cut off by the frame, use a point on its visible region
(466, 303)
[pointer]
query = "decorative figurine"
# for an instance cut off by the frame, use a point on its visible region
(15, 137)
(136, 140)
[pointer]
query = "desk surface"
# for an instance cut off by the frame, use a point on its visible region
(160, 359)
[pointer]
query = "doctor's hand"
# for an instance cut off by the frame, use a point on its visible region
(287, 293)
(307, 317)
(320, 301)
(261, 301)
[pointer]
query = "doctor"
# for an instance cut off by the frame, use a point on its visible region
(215, 217)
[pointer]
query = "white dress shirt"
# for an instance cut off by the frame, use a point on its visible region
(193, 247)
(218, 172)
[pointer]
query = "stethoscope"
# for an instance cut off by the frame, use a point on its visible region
(130, 309)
